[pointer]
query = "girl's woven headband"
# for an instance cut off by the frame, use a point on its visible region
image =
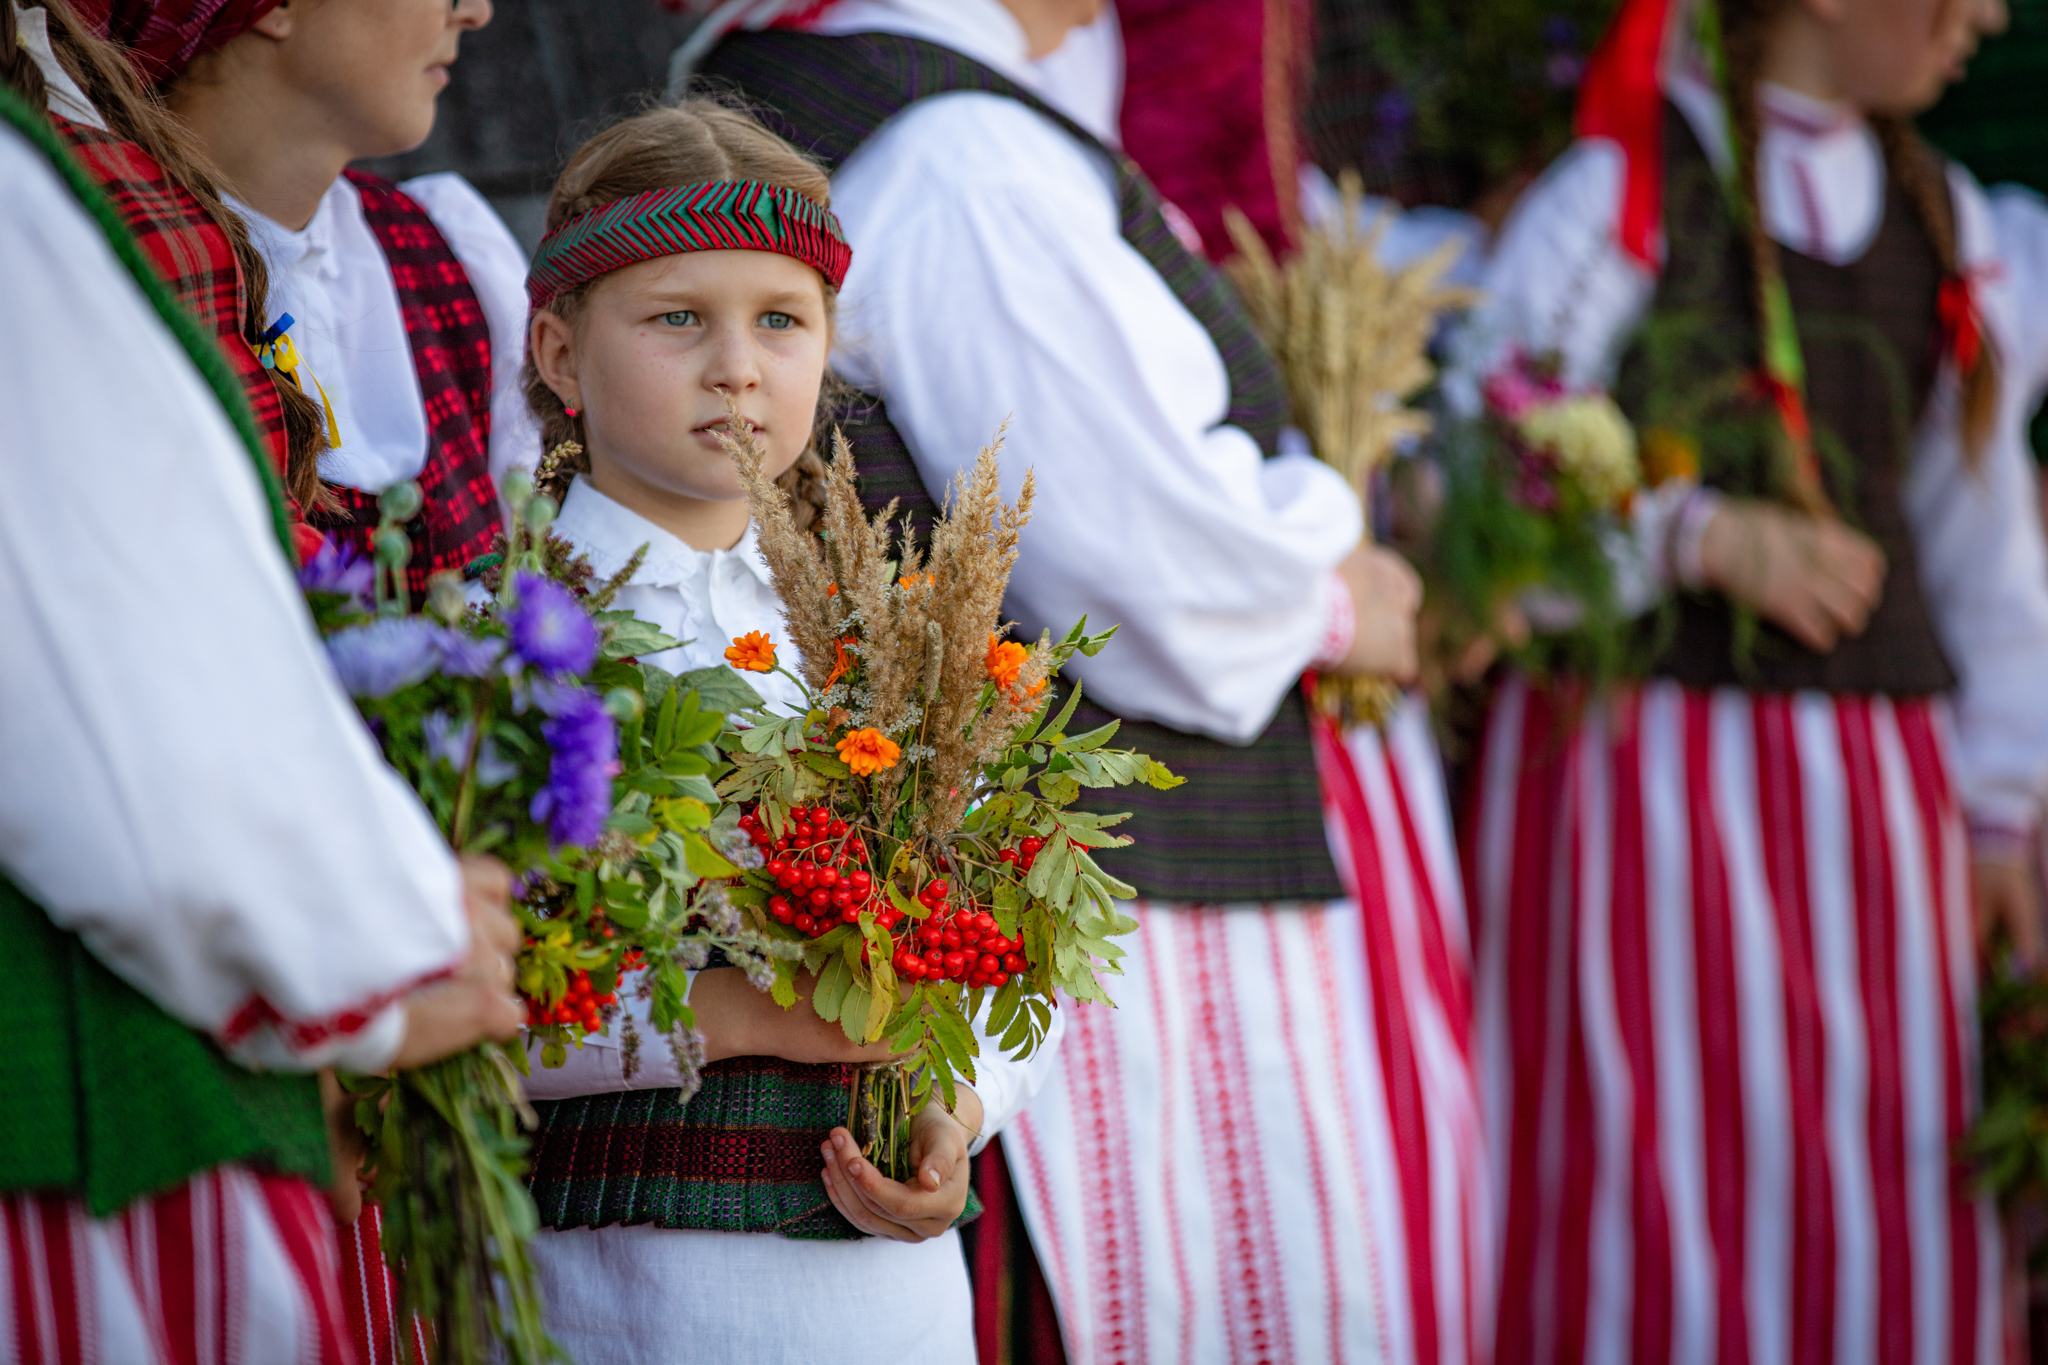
(726, 215)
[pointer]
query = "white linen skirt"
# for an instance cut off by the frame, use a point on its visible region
(1269, 1151)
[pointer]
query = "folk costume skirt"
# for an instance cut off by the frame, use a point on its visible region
(1725, 1002)
(369, 1297)
(1270, 1151)
(234, 1267)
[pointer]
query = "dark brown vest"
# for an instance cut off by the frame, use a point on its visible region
(1872, 341)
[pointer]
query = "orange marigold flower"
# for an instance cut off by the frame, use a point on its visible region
(868, 751)
(831, 590)
(912, 580)
(1005, 661)
(841, 665)
(753, 652)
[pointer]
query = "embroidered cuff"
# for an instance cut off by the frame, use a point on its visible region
(1340, 625)
(371, 1030)
(1688, 530)
(1999, 842)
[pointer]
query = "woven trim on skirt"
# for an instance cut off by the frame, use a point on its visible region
(369, 1297)
(1726, 1017)
(234, 1267)
(1270, 1150)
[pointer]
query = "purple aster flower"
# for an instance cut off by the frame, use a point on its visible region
(379, 657)
(469, 656)
(583, 746)
(449, 742)
(338, 569)
(550, 629)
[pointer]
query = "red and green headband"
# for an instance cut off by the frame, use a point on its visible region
(726, 215)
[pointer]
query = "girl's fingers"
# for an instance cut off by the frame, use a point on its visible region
(847, 1199)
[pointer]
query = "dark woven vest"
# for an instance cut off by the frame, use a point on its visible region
(741, 1156)
(1872, 340)
(191, 256)
(1248, 825)
(109, 1098)
(451, 350)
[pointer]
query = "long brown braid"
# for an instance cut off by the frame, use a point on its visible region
(135, 114)
(695, 141)
(1909, 163)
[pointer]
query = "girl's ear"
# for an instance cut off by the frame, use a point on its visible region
(552, 344)
(276, 23)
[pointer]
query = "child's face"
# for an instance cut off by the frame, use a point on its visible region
(1897, 56)
(658, 346)
(375, 66)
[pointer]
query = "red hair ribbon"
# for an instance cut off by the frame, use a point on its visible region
(1957, 304)
(1621, 98)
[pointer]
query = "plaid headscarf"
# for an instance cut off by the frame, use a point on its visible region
(163, 36)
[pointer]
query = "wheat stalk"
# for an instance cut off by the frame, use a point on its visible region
(1352, 339)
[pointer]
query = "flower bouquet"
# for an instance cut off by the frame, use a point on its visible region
(506, 718)
(1352, 339)
(913, 821)
(1535, 490)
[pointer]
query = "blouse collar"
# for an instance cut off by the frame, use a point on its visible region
(609, 533)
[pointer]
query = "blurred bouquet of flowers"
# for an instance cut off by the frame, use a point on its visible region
(2009, 1145)
(522, 723)
(1535, 489)
(913, 821)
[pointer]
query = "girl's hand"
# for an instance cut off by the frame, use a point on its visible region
(1385, 595)
(1815, 577)
(936, 1194)
(739, 1021)
(2009, 907)
(477, 1002)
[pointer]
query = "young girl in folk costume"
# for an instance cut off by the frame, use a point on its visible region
(405, 305)
(1726, 973)
(691, 261)
(170, 199)
(1202, 1178)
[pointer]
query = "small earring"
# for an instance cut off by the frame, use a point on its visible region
(570, 411)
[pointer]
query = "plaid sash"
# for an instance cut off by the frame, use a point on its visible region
(1248, 824)
(190, 254)
(451, 350)
(740, 1156)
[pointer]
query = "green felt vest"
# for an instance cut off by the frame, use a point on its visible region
(108, 1097)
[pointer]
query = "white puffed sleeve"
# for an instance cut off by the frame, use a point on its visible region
(989, 282)
(496, 265)
(1977, 528)
(186, 786)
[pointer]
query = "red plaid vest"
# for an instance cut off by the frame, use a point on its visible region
(191, 255)
(451, 350)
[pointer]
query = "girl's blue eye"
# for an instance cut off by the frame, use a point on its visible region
(777, 322)
(679, 319)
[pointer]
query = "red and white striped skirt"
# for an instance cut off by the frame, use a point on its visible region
(234, 1267)
(369, 1296)
(1270, 1151)
(1726, 1015)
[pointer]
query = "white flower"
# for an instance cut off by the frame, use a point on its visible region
(1594, 445)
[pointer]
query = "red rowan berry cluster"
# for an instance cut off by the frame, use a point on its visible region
(582, 1006)
(820, 871)
(957, 945)
(1024, 855)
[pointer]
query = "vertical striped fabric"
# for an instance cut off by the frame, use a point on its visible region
(234, 1267)
(1726, 1019)
(369, 1296)
(1270, 1150)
